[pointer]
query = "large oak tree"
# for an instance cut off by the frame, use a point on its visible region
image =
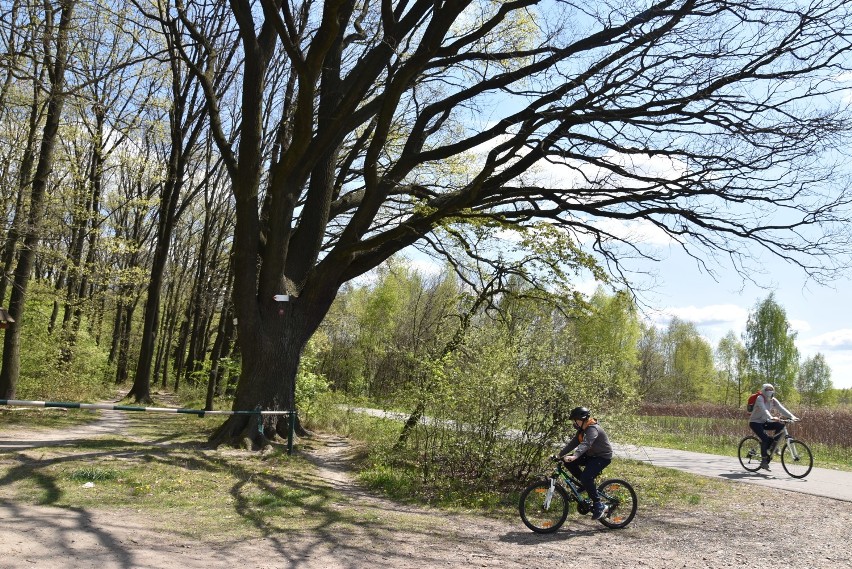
(364, 127)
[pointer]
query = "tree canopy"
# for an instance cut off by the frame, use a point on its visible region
(525, 141)
(770, 344)
(365, 128)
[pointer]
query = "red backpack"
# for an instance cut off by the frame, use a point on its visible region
(751, 399)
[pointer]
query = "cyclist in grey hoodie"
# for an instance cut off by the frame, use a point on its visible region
(761, 419)
(592, 451)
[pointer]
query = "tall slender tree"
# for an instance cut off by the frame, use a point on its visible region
(187, 117)
(56, 59)
(732, 365)
(770, 344)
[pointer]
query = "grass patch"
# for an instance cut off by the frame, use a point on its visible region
(93, 474)
(39, 418)
(163, 470)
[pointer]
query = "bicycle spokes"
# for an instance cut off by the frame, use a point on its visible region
(621, 502)
(544, 506)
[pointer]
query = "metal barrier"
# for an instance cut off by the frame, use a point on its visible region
(197, 412)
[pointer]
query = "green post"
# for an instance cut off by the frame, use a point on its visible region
(290, 431)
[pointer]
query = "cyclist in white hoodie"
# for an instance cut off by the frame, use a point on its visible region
(761, 420)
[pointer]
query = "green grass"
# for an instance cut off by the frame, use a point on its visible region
(45, 418)
(164, 471)
(397, 475)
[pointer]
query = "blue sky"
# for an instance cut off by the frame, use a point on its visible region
(676, 285)
(821, 315)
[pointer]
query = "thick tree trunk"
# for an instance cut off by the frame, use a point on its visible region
(270, 354)
(267, 382)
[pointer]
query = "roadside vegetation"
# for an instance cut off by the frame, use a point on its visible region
(460, 373)
(164, 470)
(718, 430)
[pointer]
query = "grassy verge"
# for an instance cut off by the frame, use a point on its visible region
(163, 471)
(401, 478)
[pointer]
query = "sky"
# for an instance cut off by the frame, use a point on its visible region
(675, 285)
(820, 315)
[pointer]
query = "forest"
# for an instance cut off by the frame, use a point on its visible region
(219, 197)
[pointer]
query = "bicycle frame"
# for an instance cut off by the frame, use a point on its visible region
(784, 435)
(545, 503)
(567, 480)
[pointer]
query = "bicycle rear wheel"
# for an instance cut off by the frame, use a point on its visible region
(541, 510)
(749, 453)
(620, 500)
(796, 458)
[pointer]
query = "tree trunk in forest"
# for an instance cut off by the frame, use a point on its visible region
(220, 348)
(14, 235)
(54, 314)
(202, 294)
(180, 352)
(141, 390)
(116, 332)
(121, 372)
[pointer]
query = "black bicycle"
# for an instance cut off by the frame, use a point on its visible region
(545, 504)
(796, 457)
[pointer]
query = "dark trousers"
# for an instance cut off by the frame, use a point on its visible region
(592, 466)
(766, 440)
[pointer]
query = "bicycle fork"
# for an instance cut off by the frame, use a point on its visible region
(793, 450)
(549, 495)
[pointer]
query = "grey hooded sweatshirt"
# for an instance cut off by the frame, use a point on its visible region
(762, 411)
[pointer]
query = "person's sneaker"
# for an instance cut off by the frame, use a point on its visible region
(764, 464)
(598, 511)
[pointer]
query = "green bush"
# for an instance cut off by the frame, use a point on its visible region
(44, 375)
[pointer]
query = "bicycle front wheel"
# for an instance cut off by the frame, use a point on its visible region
(544, 511)
(797, 459)
(749, 453)
(620, 500)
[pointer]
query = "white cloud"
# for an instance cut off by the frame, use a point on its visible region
(837, 340)
(800, 326)
(638, 231)
(715, 315)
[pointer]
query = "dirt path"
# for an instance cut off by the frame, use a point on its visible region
(407, 537)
